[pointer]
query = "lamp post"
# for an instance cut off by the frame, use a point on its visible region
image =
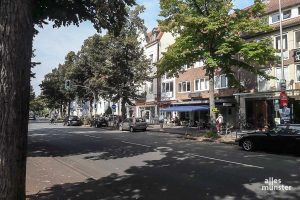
(282, 81)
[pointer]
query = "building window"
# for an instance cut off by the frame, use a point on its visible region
(201, 84)
(298, 73)
(297, 39)
(278, 74)
(298, 10)
(287, 14)
(151, 59)
(151, 88)
(284, 46)
(264, 84)
(184, 86)
(275, 17)
(285, 42)
(221, 81)
(167, 87)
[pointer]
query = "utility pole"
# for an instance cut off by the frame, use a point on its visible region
(282, 81)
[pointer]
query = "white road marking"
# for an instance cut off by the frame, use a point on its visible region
(249, 156)
(136, 144)
(92, 136)
(227, 161)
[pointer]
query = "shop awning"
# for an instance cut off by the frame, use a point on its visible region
(184, 108)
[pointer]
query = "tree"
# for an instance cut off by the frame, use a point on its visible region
(38, 106)
(17, 20)
(126, 67)
(209, 30)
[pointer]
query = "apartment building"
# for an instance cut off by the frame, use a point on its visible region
(192, 89)
(260, 106)
(148, 106)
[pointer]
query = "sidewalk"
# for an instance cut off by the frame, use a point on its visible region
(196, 134)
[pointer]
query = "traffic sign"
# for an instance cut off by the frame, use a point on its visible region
(113, 106)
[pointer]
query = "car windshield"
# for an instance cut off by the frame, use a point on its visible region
(73, 118)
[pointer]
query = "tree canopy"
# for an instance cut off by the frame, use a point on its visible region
(216, 33)
(109, 15)
(17, 21)
(113, 67)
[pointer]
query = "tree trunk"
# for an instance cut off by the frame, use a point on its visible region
(123, 109)
(16, 34)
(212, 103)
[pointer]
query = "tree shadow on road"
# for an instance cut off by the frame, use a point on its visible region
(176, 177)
(58, 144)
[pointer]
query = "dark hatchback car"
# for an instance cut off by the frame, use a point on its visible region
(100, 122)
(72, 121)
(283, 137)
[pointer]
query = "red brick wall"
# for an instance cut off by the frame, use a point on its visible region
(191, 75)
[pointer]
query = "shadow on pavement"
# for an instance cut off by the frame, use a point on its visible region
(158, 179)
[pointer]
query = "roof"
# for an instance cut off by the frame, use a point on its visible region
(158, 36)
(273, 5)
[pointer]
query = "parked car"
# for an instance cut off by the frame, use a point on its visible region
(100, 122)
(283, 137)
(133, 124)
(72, 121)
(32, 116)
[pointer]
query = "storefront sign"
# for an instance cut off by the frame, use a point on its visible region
(283, 98)
(194, 95)
(285, 115)
(297, 56)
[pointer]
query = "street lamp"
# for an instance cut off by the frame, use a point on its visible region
(282, 81)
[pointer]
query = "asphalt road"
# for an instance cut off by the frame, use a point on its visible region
(88, 163)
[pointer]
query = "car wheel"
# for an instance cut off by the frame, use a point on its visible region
(131, 129)
(145, 129)
(248, 145)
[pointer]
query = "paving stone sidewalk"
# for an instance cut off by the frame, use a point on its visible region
(196, 134)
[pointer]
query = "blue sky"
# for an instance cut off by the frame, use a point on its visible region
(51, 45)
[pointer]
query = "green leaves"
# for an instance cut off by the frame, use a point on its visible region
(109, 15)
(212, 30)
(112, 67)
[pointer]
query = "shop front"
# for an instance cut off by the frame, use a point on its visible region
(258, 110)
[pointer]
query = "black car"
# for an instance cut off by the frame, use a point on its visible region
(100, 122)
(72, 121)
(281, 138)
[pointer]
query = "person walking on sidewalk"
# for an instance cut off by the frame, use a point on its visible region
(219, 122)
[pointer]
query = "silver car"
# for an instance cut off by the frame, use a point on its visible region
(133, 124)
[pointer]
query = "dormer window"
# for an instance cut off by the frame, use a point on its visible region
(275, 17)
(287, 14)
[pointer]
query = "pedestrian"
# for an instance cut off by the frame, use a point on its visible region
(219, 122)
